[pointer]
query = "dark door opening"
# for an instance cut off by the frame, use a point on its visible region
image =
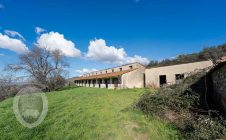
(94, 83)
(144, 78)
(162, 79)
(115, 82)
(106, 83)
(99, 81)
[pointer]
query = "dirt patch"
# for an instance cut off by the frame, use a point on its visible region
(130, 127)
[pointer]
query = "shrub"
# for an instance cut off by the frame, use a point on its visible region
(183, 106)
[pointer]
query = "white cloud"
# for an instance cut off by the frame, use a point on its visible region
(55, 41)
(12, 44)
(139, 59)
(85, 70)
(99, 51)
(14, 34)
(39, 30)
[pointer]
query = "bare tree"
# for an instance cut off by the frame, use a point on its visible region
(7, 87)
(42, 65)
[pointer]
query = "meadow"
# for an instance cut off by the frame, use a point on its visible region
(88, 114)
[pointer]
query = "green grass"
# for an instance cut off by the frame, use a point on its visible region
(88, 113)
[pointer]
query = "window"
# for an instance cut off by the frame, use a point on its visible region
(112, 70)
(106, 71)
(120, 69)
(179, 76)
(131, 67)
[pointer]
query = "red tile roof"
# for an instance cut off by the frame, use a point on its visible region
(107, 75)
(222, 59)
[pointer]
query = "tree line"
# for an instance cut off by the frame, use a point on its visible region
(211, 53)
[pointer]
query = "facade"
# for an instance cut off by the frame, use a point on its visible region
(136, 75)
(126, 76)
(168, 75)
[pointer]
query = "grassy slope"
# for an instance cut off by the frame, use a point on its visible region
(85, 113)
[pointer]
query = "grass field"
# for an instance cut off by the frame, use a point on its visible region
(88, 113)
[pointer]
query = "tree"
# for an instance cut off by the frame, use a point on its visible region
(42, 65)
(211, 53)
(7, 87)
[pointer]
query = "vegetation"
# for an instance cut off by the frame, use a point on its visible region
(185, 105)
(88, 113)
(46, 68)
(211, 53)
(7, 88)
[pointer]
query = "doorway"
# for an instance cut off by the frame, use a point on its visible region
(162, 80)
(106, 81)
(100, 82)
(144, 78)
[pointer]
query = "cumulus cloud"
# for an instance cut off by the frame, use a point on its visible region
(55, 41)
(12, 44)
(85, 70)
(99, 51)
(39, 30)
(14, 34)
(139, 59)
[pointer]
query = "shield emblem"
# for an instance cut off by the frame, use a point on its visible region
(30, 106)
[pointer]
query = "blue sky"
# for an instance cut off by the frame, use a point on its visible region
(145, 29)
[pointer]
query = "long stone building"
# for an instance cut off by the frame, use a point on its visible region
(136, 75)
(126, 76)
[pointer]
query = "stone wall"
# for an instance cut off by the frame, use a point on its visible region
(219, 86)
(133, 79)
(152, 74)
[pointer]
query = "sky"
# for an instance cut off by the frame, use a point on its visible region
(97, 34)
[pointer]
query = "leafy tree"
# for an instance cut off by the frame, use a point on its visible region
(211, 53)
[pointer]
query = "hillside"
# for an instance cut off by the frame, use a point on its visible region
(213, 53)
(189, 106)
(87, 113)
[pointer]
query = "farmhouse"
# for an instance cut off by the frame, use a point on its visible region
(136, 75)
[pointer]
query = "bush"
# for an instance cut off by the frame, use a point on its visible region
(56, 82)
(212, 53)
(183, 106)
(7, 87)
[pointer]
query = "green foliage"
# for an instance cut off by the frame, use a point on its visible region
(211, 53)
(204, 127)
(182, 105)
